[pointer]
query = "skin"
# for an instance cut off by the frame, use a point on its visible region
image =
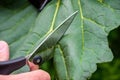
(34, 74)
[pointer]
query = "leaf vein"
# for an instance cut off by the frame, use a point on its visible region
(82, 25)
(54, 17)
(101, 26)
(62, 53)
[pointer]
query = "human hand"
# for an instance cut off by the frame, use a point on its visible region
(34, 74)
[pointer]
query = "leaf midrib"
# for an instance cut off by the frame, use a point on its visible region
(64, 61)
(54, 17)
(82, 25)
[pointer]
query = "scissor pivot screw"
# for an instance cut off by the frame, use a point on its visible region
(37, 60)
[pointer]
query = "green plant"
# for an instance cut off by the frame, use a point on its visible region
(84, 44)
(111, 68)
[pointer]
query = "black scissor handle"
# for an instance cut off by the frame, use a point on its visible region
(7, 67)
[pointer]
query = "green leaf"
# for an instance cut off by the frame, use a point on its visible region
(82, 47)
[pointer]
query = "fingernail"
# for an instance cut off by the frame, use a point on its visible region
(32, 66)
(4, 51)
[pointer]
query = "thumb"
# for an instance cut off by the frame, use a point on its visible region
(4, 51)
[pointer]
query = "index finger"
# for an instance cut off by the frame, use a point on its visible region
(32, 66)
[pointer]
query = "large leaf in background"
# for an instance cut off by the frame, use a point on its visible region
(84, 44)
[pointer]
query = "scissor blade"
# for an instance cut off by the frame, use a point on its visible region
(51, 39)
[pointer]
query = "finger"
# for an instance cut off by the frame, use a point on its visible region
(32, 66)
(4, 51)
(33, 75)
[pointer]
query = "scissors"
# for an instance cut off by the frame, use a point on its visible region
(39, 4)
(7, 67)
